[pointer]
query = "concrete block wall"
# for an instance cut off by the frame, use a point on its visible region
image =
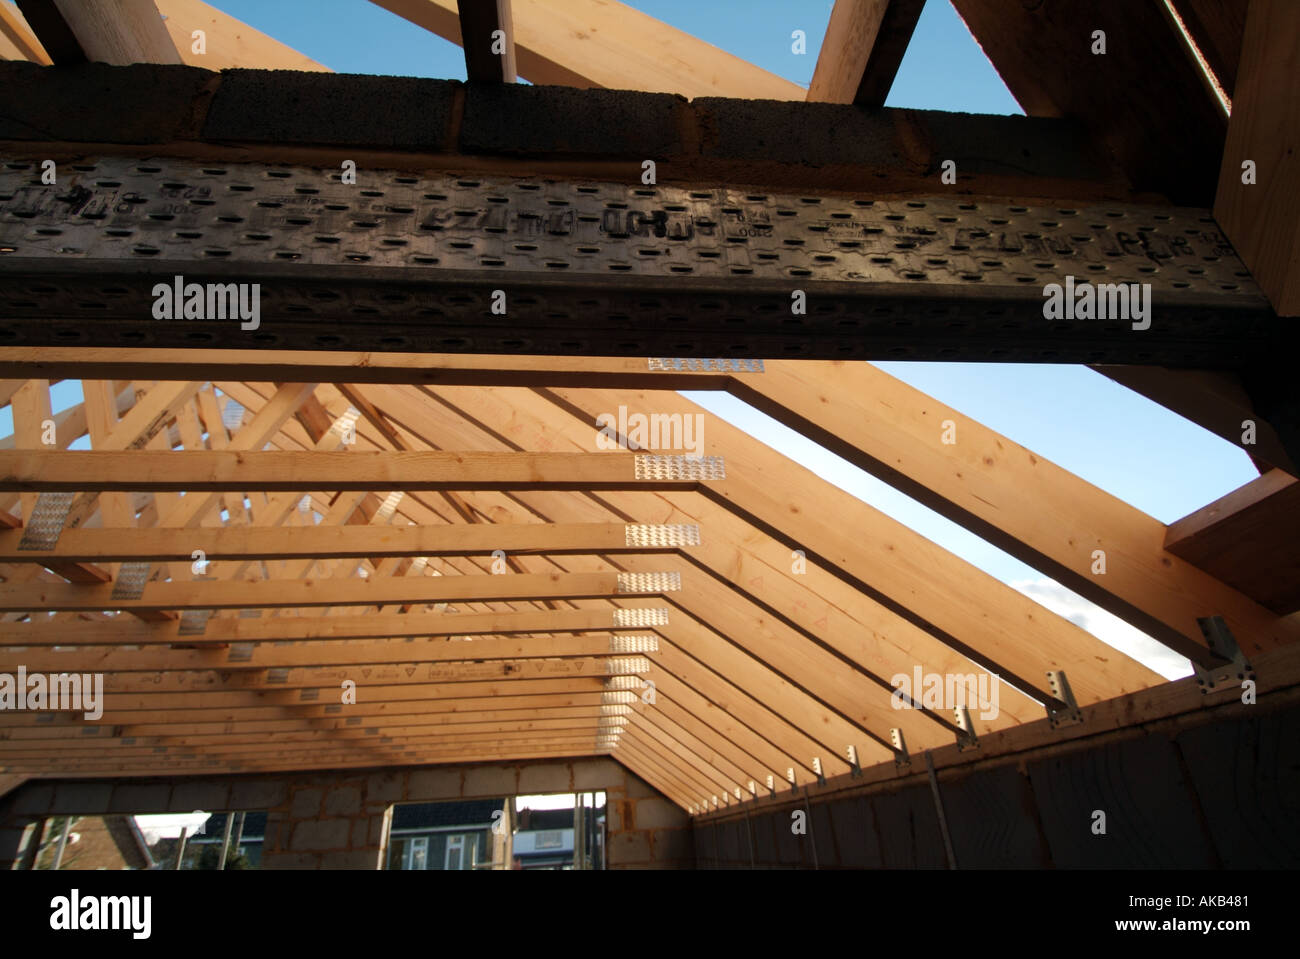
(340, 820)
(1216, 794)
(412, 123)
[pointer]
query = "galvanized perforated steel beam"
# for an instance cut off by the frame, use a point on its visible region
(407, 263)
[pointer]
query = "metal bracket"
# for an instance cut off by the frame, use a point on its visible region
(1222, 643)
(723, 364)
(966, 738)
(817, 768)
(789, 774)
(46, 523)
(1069, 714)
(901, 759)
(771, 786)
(194, 622)
(855, 770)
(131, 580)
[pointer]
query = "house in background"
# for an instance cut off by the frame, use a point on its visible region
(450, 835)
(92, 842)
(544, 839)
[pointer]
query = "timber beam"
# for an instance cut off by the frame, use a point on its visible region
(378, 591)
(279, 470)
(284, 629)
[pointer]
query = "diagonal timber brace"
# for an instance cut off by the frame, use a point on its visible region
(400, 262)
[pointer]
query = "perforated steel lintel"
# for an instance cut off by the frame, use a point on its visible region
(409, 263)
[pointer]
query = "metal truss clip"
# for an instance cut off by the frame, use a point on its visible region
(966, 738)
(1237, 670)
(1069, 714)
(901, 759)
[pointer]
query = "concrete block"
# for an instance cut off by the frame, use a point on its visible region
(343, 801)
(764, 839)
(909, 830)
(388, 787)
(33, 799)
(350, 859)
(638, 788)
(534, 120)
(1008, 146)
(619, 814)
(425, 785)
(1247, 778)
(188, 796)
(823, 837)
(90, 799)
(360, 833)
(855, 833)
(791, 848)
(1138, 784)
(291, 860)
(627, 847)
(306, 803)
(98, 103)
(258, 794)
(321, 834)
(816, 134)
(287, 106)
(488, 782)
(141, 798)
(538, 778)
(655, 813)
(991, 820)
(591, 775)
(676, 845)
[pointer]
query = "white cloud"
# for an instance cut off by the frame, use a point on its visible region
(1110, 629)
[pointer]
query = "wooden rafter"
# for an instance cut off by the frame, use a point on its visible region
(118, 32)
(864, 45)
(600, 43)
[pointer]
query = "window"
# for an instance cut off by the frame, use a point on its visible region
(417, 853)
(455, 853)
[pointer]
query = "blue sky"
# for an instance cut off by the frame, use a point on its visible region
(1110, 436)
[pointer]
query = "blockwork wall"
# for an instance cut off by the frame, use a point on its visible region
(340, 820)
(1223, 793)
